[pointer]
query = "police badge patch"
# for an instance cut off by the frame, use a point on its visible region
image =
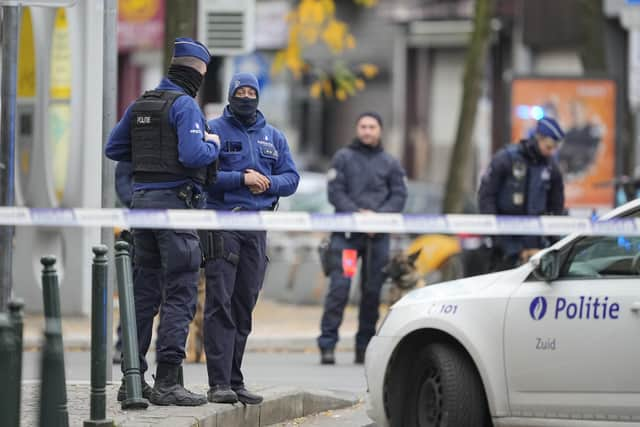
(519, 170)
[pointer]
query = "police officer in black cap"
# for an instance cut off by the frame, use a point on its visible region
(524, 179)
(164, 135)
(363, 178)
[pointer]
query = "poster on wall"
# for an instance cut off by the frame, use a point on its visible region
(140, 24)
(586, 110)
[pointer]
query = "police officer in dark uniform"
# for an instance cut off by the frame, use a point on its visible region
(524, 179)
(363, 178)
(164, 135)
(256, 169)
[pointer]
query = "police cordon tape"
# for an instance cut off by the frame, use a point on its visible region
(306, 222)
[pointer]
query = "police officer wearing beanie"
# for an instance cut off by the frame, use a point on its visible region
(255, 170)
(524, 179)
(164, 135)
(363, 178)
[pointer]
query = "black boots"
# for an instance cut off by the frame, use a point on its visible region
(221, 394)
(225, 394)
(168, 391)
(248, 398)
(359, 360)
(327, 357)
(122, 391)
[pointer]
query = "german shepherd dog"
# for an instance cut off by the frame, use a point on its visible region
(401, 269)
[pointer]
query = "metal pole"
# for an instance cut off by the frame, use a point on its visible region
(53, 376)
(8, 415)
(130, 355)
(17, 322)
(53, 394)
(99, 339)
(10, 22)
(109, 111)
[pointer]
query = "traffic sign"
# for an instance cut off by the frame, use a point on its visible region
(41, 3)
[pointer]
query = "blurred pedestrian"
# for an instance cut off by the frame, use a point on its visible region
(524, 179)
(256, 169)
(363, 178)
(163, 135)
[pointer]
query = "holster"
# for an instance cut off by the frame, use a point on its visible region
(326, 257)
(190, 195)
(212, 244)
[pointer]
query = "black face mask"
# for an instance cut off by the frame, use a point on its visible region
(244, 108)
(187, 78)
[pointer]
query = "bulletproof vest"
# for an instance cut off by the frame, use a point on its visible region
(154, 141)
(526, 188)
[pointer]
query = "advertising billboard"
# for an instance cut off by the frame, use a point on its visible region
(586, 110)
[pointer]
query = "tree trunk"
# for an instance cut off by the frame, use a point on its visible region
(593, 29)
(180, 21)
(459, 164)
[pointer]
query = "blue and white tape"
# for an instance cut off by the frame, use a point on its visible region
(305, 222)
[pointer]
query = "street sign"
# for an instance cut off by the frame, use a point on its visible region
(41, 3)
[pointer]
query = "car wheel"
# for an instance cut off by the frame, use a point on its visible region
(445, 391)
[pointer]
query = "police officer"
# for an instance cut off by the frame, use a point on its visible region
(524, 179)
(256, 169)
(363, 178)
(163, 135)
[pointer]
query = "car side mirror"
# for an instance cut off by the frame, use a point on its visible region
(547, 267)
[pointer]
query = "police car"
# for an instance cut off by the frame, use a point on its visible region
(554, 342)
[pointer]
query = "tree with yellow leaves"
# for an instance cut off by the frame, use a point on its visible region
(314, 22)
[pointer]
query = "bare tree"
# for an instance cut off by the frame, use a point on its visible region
(459, 164)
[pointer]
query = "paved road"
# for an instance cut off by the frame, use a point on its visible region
(292, 369)
(351, 417)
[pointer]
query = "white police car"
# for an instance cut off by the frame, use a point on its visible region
(555, 342)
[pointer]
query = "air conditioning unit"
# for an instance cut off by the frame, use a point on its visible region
(227, 26)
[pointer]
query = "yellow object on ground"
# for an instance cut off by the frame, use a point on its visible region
(436, 249)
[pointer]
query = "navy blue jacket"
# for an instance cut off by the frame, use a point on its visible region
(260, 147)
(124, 183)
(537, 190)
(187, 119)
(364, 177)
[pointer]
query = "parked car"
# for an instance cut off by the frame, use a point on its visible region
(554, 342)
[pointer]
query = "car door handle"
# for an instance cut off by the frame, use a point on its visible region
(635, 307)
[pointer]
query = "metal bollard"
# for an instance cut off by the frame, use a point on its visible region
(15, 310)
(53, 395)
(8, 415)
(53, 352)
(99, 339)
(130, 360)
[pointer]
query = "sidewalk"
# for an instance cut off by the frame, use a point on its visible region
(280, 404)
(276, 327)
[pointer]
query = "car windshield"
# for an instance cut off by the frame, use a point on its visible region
(605, 256)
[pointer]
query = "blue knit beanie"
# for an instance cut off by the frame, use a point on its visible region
(550, 128)
(241, 80)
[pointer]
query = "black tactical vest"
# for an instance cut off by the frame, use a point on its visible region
(154, 141)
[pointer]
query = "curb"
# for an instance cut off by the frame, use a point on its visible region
(280, 405)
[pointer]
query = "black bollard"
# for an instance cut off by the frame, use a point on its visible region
(53, 396)
(99, 339)
(8, 415)
(53, 353)
(50, 288)
(15, 310)
(130, 360)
